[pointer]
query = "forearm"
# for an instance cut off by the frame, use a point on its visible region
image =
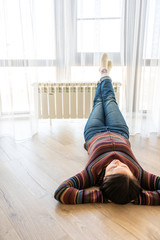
(150, 181)
(148, 198)
(74, 196)
(73, 190)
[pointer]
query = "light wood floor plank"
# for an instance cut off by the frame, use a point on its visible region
(30, 172)
(29, 217)
(7, 231)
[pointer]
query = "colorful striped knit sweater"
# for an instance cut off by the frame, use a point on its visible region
(102, 149)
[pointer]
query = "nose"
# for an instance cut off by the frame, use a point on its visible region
(116, 161)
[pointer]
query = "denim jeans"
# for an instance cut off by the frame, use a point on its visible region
(105, 115)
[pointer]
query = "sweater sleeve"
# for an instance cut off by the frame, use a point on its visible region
(151, 193)
(149, 181)
(148, 198)
(73, 190)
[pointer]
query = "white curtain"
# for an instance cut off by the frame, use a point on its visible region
(63, 40)
(140, 58)
(27, 56)
(84, 30)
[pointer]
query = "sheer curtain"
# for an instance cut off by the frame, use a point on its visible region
(84, 30)
(63, 40)
(27, 56)
(130, 33)
(140, 58)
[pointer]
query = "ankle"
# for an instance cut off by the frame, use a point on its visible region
(104, 72)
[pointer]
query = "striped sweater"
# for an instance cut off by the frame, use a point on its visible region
(102, 149)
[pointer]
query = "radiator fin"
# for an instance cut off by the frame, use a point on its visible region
(68, 100)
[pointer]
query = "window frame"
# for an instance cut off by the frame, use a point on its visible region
(89, 56)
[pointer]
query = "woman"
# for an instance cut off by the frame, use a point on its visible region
(112, 165)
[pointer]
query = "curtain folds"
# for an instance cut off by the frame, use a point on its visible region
(18, 77)
(63, 40)
(140, 57)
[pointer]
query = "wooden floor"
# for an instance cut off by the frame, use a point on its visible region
(30, 171)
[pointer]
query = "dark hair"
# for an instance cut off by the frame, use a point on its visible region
(120, 188)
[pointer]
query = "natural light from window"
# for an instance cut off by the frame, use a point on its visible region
(100, 26)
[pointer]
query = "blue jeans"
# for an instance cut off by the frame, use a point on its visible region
(105, 115)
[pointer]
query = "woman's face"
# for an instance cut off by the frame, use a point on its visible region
(117, 167)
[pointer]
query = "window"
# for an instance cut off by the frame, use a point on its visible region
(27, 47)
(27, 29)
(99, 22)
(98, 30)
(152, 31)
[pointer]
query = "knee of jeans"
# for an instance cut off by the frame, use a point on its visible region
(109, 94)
(110, 98)
(97, 100)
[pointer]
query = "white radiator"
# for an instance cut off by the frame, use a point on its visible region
(68, 100)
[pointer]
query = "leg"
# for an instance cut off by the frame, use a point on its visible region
(114, 119)
(96, 120)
